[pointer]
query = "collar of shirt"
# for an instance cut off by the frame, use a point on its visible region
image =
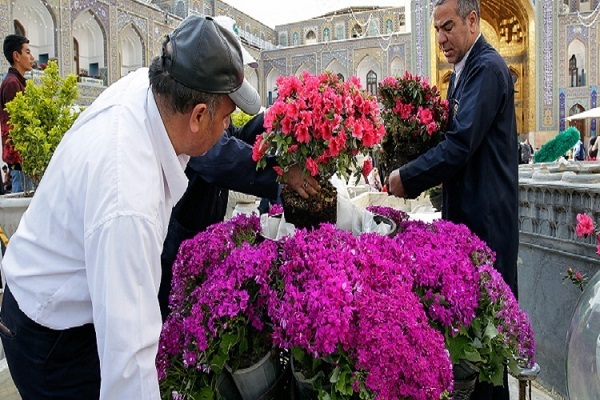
(459, 66)
(173, 166)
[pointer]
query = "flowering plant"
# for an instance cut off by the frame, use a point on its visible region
(467, 299)
(334, 309)
(327, 296)
(585, 227)
(414, 115)
(319, 123)
(217, 308)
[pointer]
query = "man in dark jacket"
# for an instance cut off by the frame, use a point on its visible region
(477, 162)
(17, 53)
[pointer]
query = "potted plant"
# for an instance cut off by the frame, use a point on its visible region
(319, 123)
(40, 116)
(467, 300)
(415, 117)
(218, 320)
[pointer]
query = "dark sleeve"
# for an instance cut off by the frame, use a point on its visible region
(229, 165)
(483, 97)
(9, 91)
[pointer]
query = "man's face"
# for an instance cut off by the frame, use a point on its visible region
(211, 129)
(454, 36)
(23, 60)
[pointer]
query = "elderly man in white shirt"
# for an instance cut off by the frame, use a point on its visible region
(80, 317)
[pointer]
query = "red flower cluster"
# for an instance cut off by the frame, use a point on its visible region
(415, 116)
(319, 123)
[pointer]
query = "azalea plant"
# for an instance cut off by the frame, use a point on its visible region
(326, 296)
(585, 227)
(319, 123)
(415, 117)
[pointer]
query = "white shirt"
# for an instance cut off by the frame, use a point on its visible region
(459, 66)
(88, 247)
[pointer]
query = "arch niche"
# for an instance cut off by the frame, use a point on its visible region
(509, 25)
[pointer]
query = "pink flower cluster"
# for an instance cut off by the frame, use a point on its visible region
(319, 123)
(413, 111)
(585, 227)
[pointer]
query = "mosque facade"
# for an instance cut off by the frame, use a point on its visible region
(550, 46)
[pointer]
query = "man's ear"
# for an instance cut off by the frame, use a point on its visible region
(199, 114)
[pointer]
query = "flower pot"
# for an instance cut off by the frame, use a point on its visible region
(226, 386)
(12, 208)
(256, 380)
(303, 387)
(465, 377)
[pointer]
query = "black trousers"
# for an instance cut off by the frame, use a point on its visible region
(486, 391)
(46, 363)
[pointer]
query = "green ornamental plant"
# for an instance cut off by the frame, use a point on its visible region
(40, 116)
(239, 118)
(558, 146)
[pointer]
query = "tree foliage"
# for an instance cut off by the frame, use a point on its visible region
(40, 116)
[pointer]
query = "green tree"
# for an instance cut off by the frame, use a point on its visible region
(40, 116)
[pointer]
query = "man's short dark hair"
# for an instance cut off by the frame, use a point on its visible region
(464, 7)
(179, 97)
(13, 43)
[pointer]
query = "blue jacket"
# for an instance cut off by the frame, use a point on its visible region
(477, 163)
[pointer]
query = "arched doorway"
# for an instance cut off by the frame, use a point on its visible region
(579, 124)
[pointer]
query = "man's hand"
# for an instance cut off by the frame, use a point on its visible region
(305, 186)
(396, 188)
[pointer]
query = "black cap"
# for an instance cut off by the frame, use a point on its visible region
(207, 57)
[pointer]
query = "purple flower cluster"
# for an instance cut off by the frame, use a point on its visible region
(398, 216)
(387, 312)
(512, 321)
(221, 283)
(315, 308)
(443, 268)
(394, 341)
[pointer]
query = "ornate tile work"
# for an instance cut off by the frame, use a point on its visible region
(309, 60)
(279, 64)
(420, 35)
(342, 56)
(547, 47)
(124, 18)
(100, 9)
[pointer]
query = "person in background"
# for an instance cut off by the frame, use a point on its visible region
(525, 152)
(476, 162)
(18, 54)
(579, 151)
(6, 180)
(80, 317)
(593, 153)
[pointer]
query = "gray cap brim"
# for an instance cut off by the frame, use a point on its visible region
(248, 59)
(246, 98)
